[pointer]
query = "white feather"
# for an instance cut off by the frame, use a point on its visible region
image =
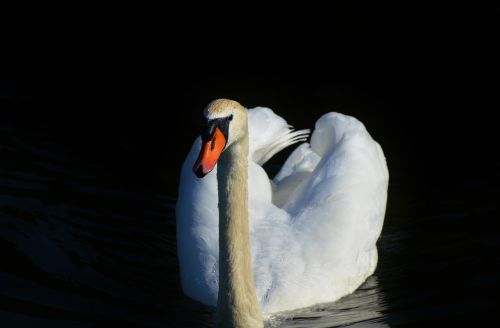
(313, 230)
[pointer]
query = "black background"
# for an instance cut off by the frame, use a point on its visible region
(129, 94)
(426, 77)
(126, 95)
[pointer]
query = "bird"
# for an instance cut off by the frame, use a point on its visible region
(252, 246)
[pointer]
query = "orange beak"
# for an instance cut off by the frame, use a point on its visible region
(209, 154)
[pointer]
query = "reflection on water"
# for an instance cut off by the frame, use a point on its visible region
(365, 306)
(80, 249)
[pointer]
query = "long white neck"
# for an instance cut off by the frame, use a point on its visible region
(237, 304)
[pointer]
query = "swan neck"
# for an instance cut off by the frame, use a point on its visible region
(237, 304)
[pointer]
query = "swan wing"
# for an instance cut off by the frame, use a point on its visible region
(334, 192)
(269, 134)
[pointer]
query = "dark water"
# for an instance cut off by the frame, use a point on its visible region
(90, 153)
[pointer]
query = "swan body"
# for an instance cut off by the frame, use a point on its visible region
(312, 229)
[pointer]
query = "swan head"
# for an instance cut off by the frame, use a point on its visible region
(226, 123)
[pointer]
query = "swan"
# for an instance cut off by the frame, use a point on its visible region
(252, 246)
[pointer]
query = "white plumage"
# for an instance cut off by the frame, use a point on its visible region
(313, 228)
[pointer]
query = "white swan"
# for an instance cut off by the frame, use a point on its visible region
(306, 237)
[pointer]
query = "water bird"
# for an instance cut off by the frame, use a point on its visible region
(252, 246)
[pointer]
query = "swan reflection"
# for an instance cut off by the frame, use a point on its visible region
(363, 308)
